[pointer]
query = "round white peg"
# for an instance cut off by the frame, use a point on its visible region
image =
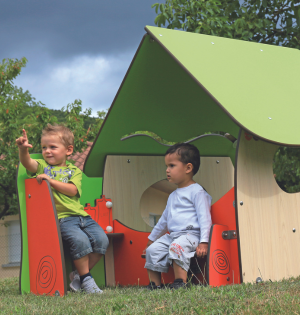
(109, 229)
(108, 204)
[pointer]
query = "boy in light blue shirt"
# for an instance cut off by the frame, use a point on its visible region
(186, 217)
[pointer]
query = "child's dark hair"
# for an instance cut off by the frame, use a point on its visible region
(187, 153)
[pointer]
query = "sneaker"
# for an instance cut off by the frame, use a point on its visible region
(89, 286)
(177, 284)
(152, 286)
(75, 284)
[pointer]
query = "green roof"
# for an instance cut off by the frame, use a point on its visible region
(181, 85)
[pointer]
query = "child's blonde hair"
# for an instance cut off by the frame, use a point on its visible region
(65, 134)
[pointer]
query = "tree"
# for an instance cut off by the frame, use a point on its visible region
(13, 103)
(274, 22)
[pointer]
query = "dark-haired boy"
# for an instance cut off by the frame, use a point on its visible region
(186, 217)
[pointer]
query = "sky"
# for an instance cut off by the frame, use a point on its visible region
(75, 49)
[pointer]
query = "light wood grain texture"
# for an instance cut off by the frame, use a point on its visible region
(138, 188)
(216, 175)
(109, 264)
(269, 248)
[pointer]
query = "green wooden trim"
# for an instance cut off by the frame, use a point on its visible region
(92, 190)
(24, 270)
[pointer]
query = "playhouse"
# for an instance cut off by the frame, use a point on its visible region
(184, 87)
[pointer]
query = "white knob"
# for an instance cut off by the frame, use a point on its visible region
(108, 204)
(109, 229)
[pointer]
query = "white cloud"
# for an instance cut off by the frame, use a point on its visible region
(93, 79)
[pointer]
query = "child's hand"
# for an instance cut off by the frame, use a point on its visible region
(148, 244)
(201, 250)
(41, 177)
(22, 142)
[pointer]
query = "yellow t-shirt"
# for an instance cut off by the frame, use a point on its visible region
(66, 206)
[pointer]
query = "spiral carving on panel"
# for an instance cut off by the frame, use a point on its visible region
(46, 275)
(220, 262)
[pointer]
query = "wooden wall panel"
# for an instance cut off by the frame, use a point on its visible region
(216, 175)
(268, 245)
(125, 183)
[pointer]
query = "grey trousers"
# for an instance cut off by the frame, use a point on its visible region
(177, 246)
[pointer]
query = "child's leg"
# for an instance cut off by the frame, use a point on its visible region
(82, 265)
(157, 258)
(85, 264)
(154, 276)
(93, 259)
(86, 240)
(179, 272)
(181, 250)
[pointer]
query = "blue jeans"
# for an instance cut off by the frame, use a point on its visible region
(82, 236)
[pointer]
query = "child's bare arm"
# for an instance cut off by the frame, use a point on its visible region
(23, 144)
(68, 189)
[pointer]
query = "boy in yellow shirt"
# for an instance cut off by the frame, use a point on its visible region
(84, 238)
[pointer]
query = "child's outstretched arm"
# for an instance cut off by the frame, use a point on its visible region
(23, 144)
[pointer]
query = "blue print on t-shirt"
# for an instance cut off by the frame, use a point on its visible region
(49, 170)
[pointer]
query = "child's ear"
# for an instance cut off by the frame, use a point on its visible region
(189, 168)
(70, 149)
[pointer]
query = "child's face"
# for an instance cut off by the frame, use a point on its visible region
(53, 150)
(178, 172)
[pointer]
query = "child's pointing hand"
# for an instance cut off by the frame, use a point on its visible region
(22, 142)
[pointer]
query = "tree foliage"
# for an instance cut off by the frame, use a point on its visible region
(274, 22)
(18, 110)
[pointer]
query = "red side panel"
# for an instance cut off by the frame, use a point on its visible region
(45, 250)
(219, 268)
(223, 213)
(129, 265)
(100, 213)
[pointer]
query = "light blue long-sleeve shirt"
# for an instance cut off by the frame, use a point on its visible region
(188, 208)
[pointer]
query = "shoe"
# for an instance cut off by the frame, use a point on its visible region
(177, 284)
(75, 284)
(89, 286)
(152, 286)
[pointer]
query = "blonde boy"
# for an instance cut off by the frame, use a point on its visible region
(187, 218)
(82, 236)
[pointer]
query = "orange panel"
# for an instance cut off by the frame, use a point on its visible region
(100, 213)
(45, 250)
(223, 212)
(219, 268)
(129, 265)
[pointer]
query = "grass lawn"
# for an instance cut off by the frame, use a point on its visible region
(265, 298)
